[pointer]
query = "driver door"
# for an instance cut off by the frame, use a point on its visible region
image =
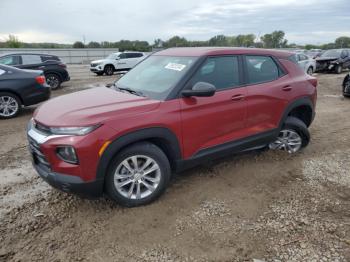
(212, 121)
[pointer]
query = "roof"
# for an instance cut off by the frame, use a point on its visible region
(209, 51)
(6, 54)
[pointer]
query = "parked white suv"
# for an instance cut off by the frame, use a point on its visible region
(120, 61)
(308, 64)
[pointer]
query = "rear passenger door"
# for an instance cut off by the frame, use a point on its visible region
(31, 62)
(211, 121)
(268, 92)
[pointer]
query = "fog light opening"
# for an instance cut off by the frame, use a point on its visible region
(67, 154)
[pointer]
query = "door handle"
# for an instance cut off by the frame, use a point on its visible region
(238, 97)
(287, 88)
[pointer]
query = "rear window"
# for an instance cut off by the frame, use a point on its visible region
(293, 58)
(45, 58)
(261, 69)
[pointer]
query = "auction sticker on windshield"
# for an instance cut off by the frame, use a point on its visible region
(174, 66)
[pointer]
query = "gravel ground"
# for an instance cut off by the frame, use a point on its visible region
(266, 206)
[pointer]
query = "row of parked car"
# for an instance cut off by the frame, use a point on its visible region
(22, 74)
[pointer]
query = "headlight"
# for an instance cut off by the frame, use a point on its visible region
(77, 131)
(67, 154)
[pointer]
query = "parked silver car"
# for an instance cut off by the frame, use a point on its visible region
(307, 63)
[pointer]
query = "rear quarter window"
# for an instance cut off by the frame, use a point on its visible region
(45, 58)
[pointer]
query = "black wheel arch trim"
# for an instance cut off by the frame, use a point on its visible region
(303, 101)
(162, 134)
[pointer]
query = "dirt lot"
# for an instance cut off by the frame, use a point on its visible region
(268, 206)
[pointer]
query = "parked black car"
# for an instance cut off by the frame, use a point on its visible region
(346, 86)
(20, 88)
(55, 71)
(333, 60)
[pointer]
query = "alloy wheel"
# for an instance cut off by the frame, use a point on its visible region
(137, 177)
(53, 81)
(8, 106)
(288, 140)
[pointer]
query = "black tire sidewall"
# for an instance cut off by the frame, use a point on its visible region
(298, 126)
(17, 100)
(338, 69)
(146, 149)
(106, 70)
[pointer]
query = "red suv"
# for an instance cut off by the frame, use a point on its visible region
(176, 109)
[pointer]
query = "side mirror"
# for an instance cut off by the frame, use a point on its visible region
(109, 85)
(118, 58)
(200, 89)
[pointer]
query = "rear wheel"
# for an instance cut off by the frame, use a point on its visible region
(109, 70)
(53, 80)
(293, 136)
(10, 105)
(138, 175)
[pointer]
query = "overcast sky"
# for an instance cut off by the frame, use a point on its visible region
(63, 21)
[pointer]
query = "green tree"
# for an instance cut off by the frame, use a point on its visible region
(93, 44)
(13, 42)
(176, 41)
(219, 40)
(245, 40)
(342, 42)
(274, 40)
(78, 44)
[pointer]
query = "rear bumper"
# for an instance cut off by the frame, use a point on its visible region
(70, 184)
(38, 97)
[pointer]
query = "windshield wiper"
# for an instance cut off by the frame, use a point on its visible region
(131, 91)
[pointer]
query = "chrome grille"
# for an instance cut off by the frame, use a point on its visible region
(38, 157)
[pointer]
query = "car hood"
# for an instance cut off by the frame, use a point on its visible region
(98, 61)
(91, 107)
(325, 59)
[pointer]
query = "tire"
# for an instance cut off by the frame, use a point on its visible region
(99, 73)
(109, 70)
(310, 70)
(6, 100)
(346, 86)
(293, 136)
(119, 172)
(338, 69)
(53, 80)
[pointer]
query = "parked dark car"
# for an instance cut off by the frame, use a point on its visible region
(54, 70)
(20, 88)
(346, 86)
(334, 60)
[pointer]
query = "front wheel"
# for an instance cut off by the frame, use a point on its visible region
(310, 71)
(338, 69)
(10, 105)
(293, 136)
(109, 70)
(138, 175)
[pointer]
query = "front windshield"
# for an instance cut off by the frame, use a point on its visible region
(332, 53)
(156, 76)
(112, 56)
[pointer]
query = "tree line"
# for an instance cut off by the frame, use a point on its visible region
(276, 39)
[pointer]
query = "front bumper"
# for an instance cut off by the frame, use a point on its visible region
(96, 69)
(63, 176)
(70, 184)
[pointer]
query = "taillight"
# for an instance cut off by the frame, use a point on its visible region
(62, 65)
(40, 80)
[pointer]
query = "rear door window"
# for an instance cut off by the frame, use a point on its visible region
(31, 59)
(45, 58)
(261, 69)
